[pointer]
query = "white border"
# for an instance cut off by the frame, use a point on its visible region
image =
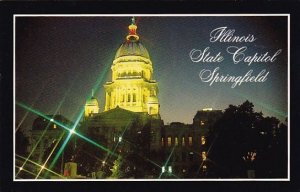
(148, 15)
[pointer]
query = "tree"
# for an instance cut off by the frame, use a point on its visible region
(90, 158)
(65, 156)
(274, 163)
(239, 132)
(22, 142)
(116, 170)
(281, 141)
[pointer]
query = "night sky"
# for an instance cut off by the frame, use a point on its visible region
(60, 59)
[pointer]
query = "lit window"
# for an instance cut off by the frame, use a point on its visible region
(201, 123)
(183, 141)
(203, 140)
(169, 141)
(191, 156)
(204, 168)
(204, 155)
(170, 169)
(176, 141)
(162, 142)
(54, 126)
(190, 141)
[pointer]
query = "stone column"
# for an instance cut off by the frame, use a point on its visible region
(118, 96)
(126, 96)
(140, 97)
(106, 101)
(131, 96)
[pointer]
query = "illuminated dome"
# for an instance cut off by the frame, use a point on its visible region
(132, 48)
(91, 106)
(92, 102)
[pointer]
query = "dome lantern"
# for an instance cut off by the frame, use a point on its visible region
(132, 35)
(132, 46)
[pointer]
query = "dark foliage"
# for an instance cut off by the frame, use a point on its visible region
(23, 143)
(241, 134)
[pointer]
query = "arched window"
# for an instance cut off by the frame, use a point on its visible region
(176, 141)
(162, 141)
(123, 97)
(190, 140)
(183, 141)
(203, 155)
(203, 141)
(134, 97)
(169, 141)
(128, 97)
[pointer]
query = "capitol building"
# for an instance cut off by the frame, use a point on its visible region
(135, 141)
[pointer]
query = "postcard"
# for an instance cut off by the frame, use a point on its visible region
(168, 97)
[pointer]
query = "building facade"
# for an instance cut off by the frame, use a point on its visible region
(189, 144)
(130, 123)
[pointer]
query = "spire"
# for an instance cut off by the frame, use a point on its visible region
(132, 31)
(132, 21)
